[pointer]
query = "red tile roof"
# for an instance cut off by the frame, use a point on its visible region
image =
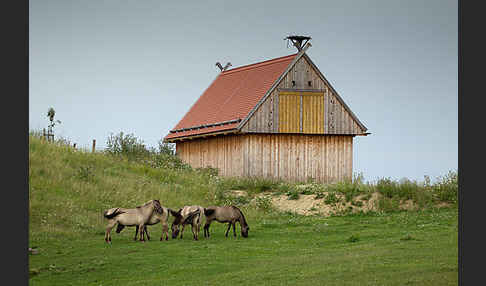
(230, 98)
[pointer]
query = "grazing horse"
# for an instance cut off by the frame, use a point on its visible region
(229, 214)
(156, 217)
(187, 215)
(138, 216)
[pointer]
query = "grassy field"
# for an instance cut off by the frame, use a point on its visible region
(68, 190)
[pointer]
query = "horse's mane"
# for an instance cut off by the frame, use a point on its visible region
(242, 215)
(145, 204)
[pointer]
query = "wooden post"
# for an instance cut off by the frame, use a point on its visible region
(94, 144)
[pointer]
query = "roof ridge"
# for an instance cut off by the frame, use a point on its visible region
(258, 64)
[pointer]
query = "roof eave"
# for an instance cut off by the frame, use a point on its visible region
(203, 135)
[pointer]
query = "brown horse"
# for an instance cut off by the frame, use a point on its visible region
(138, 216)
(187, 215)
(163, 218)
(229, 214)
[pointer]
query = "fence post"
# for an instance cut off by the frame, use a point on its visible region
(94, 144)
(74, 146)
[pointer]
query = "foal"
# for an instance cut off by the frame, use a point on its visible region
(229, 214)
(187, 215)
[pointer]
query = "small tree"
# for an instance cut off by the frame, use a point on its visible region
(50, 133)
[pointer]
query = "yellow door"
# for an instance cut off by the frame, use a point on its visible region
(312, 112)
(289, 112)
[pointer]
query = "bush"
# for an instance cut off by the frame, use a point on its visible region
(166, 161)
(166, 148)
(126, 145)
(446, 189)
(386, 187)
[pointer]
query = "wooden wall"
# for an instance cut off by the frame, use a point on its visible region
(294, 157)
(290, 157)
(222, 152)
(337, 120)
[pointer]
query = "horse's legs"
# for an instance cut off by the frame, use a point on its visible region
(229, 225)
(146, 232)
(234, 231)
(136, 232)
(193, 231)
(182, 230)
(165, 229)
(110, 225)
(141, 232)
(206, 229)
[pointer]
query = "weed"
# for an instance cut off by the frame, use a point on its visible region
(353, 238)
(332, 199)
(85, 173)
(293, 195)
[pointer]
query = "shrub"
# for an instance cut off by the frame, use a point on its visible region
(166, 161)
(166, 148)
(208, 171)
(126, 145)
(386, 187)
(446, 189)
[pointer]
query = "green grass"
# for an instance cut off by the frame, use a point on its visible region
(402, 248)
(68, 190)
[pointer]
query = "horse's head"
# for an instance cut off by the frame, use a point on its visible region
(244, 230)
(157, 206)
(177, 221)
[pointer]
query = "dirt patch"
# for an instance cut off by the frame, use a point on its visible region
(310, 205)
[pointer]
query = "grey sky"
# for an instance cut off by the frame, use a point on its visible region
(138, 66)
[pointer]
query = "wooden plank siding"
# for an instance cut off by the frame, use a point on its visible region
(268, 116)
(222, 152)
(289, 157)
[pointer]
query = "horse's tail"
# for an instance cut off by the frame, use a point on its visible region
(111, 213)
(191, 216)
(208, 212)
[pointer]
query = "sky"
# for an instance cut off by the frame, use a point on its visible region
(137, 67)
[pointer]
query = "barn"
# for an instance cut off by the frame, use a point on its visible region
(277, 119)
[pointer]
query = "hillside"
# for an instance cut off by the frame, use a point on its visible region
(69, 189)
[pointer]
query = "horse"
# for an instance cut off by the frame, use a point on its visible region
(187, 215)
(229, 214)
(163, 218)
(138, 216)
